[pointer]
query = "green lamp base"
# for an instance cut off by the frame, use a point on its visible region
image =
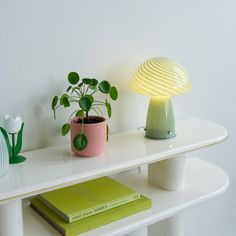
(17, 159)
(160, 122)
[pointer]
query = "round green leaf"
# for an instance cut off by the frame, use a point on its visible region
(86, 80)
(62, 97)
(108, 106)
(85, 103)
(90, 97)
(54, 102)
(79, 113)
(93, 82)
(65, 129)
(113, 93)
(80, 142)
(65, 101)
(73, 77)
(92, 87)
(104, 86)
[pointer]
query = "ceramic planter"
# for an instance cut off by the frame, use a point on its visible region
(95, 133)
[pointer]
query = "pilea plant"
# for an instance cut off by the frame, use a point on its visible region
(82, 93)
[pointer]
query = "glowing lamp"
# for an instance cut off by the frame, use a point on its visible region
(160, 78)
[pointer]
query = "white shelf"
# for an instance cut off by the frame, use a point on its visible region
(54, 167)
(203, 182)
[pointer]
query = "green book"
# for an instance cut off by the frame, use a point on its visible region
(88, 198)
(92, 222)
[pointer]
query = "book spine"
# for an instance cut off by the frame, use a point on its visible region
(104, 207)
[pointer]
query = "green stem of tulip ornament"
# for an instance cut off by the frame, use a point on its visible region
(16, 147)
(13, 146)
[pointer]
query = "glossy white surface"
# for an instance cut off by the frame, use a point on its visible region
(204, 181)
(54, 167)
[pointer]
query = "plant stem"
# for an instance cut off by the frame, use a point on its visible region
(74, 97)
(71, 115)
(87, 89)
(82, 127)
(57, 106)
(78, 93)
(13, 145)
(83, 89)
(73, 100)
(93, 108)
(97, 108)
(87, 116)
(94, 91)
(98, 104)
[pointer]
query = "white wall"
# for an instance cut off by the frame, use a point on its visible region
(41, 41)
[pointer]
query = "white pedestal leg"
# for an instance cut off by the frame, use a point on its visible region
(140, 232)
(11, 220)
(168, 174)
(173, 226)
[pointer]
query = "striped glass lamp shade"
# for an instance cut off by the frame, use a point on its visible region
(161, 77)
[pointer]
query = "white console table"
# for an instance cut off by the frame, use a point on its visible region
(193, 181)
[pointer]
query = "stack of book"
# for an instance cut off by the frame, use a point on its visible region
(85, 206)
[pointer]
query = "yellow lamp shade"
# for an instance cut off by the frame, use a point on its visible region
(161, 77)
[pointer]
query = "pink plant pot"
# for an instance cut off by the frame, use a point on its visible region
(95, 133)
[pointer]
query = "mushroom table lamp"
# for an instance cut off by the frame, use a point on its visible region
(160, 78)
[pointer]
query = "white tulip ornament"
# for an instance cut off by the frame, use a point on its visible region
(13, 126)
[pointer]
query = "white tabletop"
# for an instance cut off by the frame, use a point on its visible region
(55, 167)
